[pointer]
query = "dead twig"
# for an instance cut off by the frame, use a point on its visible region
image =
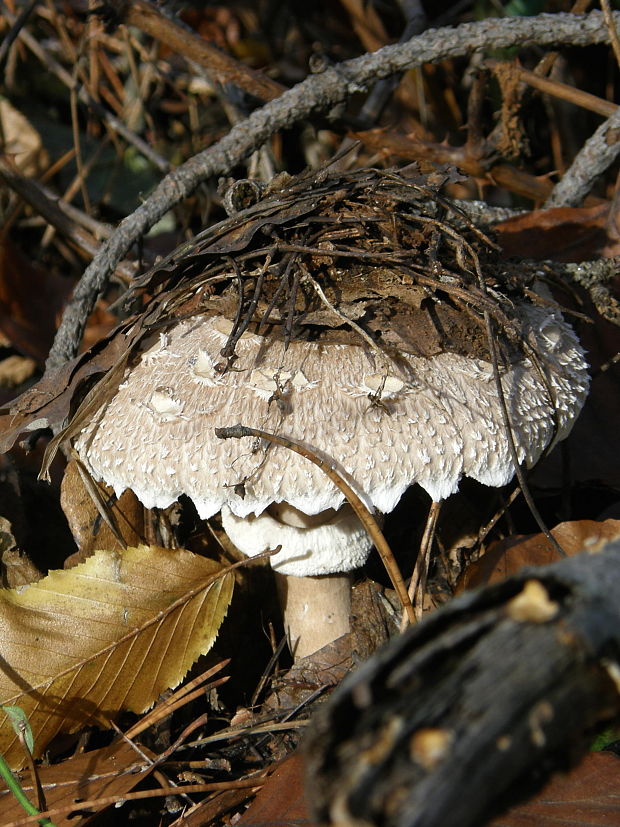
(149, 19)
(254, 783)
(318, 93)
(61, 215)
(417, 584)
(564, 92)
(613, 32)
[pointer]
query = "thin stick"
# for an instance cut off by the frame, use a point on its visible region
(106, 801)
(565, 92)
(511, 442)
(267, 671)
(364, 514)
(383, 358)
(170, 704)
(417, 584)
(116, 124)
(497, 516)
(96, 494)
(34, 774)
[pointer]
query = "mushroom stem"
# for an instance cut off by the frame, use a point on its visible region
(317, 610)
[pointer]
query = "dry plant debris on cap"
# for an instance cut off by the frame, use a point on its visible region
(346, 310)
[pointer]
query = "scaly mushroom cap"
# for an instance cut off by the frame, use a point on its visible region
(423, 420)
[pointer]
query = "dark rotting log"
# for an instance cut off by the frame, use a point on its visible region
(472, 709)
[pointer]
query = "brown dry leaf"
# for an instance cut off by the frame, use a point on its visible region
(506, 557)
(100, 324)
(89, 531)
(16, 568)
(281, 802)
(110, 771)
(562, 234)
(110, 634)
(30, 300)
(586, 797)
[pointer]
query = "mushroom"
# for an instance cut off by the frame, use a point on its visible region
(383, 423)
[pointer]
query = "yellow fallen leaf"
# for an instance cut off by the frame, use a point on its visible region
(110, 634)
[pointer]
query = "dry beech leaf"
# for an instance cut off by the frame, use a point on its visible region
(110, 634)
(506, 557)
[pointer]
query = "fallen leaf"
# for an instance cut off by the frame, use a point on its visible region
(89, 530)
(14, 370)
(110, 771)
(507, 556)
(281, 802)
(110, 634)
(31, 298)
(585, 797)
(214, 808)
(561, 234)
(16, 568)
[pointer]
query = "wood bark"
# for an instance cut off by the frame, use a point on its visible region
(471, 710)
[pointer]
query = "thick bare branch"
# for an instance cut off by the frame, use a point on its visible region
(595, 157)
(318, 93)
(473, 708)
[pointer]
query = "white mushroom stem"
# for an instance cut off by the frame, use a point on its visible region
(312, 570)
(316, 610)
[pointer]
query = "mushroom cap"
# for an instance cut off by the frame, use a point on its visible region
(426, 420)
(339, 544)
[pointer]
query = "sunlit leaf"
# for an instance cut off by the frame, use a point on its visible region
(110, 634)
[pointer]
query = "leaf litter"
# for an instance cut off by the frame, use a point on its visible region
(178, 286)
(57, 396)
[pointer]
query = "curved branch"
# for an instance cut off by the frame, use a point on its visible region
(318, 93)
